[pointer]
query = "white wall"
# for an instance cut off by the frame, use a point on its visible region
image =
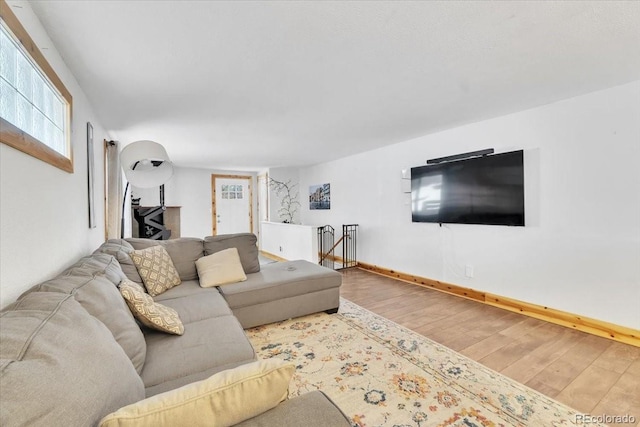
(43, 210)
(580, 249)
(190, 188)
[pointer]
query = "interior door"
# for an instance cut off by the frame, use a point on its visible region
(231, 204)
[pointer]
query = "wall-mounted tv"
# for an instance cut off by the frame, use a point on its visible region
(480, 190)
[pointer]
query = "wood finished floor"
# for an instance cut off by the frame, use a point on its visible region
(588, 373)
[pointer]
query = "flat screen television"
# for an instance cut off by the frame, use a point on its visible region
(480, 190)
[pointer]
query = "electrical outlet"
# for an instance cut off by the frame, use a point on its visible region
(468, 271)
(280, 248)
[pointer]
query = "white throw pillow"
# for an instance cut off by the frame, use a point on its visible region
(220, 268)
(224, 399)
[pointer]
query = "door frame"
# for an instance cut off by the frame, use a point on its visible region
(262, 178)
(214, 222)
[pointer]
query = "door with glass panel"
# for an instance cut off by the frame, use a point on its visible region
(231, 204)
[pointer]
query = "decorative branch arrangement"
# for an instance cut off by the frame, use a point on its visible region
(288, 194)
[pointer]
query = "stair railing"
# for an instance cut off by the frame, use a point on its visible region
(326, 246)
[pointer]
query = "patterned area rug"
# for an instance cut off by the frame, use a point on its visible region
(382, 374)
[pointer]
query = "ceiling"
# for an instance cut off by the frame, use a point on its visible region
(247, 85)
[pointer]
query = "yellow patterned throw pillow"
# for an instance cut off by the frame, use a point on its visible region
(156, 269)
(149, 312)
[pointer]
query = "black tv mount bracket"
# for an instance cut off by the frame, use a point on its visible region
(478, 153)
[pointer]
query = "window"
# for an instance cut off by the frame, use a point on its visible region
(232, 192)
(35, 107)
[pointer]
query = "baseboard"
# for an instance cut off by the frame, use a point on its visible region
(585, 324)
(423, 281)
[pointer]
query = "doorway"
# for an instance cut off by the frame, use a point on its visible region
(231, 204)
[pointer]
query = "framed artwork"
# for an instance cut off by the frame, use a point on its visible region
(90, 177)
(320, 196)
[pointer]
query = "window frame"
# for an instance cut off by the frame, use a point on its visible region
(15, 137)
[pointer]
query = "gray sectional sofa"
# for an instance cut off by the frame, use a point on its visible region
(71, 352)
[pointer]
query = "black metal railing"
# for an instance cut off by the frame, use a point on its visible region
(349, 245)
(326, 235)
(327, 245)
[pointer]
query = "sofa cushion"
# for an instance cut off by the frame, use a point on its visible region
(207, 346)
(224, 399)
(194, 303)
(183, 252)
(186, 288)
(59, 365)
(244, 242)
(150, 313)
(156, 269)
(279, 281)
(312, 409)
(220, 268)
(102, 300)
(121, 250)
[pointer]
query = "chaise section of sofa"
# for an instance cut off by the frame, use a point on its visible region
(282, 291)
(276, 291)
